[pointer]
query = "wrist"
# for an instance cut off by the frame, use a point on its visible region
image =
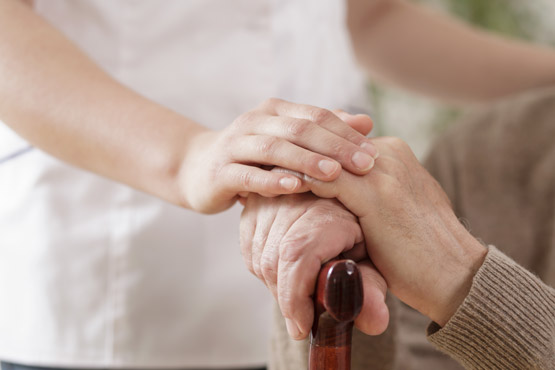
(190, 159)
(150, 157)
(455, 282)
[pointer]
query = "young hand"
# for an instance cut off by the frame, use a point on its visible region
(219, 166)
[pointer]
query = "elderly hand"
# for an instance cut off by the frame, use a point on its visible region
(219, 166)
(412, 235)
(284, 242)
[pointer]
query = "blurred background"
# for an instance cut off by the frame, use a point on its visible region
(418, 120)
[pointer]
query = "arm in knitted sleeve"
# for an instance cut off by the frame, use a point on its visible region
(497, 169)
(507, 321)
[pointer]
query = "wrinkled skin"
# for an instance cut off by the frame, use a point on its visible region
(425, 256)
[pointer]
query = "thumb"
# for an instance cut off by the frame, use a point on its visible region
(374, 317)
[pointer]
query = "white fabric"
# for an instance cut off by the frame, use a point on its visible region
(95, 274)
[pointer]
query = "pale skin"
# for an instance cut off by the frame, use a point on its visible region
(419, 249)
(285, 240)
(61, 102)
(430, 53)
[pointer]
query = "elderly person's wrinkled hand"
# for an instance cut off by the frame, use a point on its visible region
(284, 242)
(412, 235)
(409, 230)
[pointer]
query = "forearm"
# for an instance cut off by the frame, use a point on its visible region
(425, 51)
(61, 102)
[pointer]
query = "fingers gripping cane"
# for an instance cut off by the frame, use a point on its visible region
(337, 302)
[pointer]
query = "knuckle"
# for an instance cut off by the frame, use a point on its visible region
(324, 218)
(341, 150)
(257, 268)
(245, 180)
(292, 249)
(323, 189)
(352, 136)
(298, 127)
(270, 103)
(391, 140)
(257, 271)
(269, 146)
(396, 143)
(320, 115)
(308, 163)
(268, 269)
(249, 116)
(244, 119)
(330, 211)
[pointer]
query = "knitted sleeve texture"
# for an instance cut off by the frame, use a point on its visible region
(506, 322)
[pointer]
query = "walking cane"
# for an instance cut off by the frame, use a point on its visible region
(337, 302)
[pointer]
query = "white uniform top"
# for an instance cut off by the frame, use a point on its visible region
(93, 273)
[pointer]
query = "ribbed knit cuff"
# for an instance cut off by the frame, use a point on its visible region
(507, 321)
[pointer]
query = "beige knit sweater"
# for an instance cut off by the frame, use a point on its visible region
(498, 168)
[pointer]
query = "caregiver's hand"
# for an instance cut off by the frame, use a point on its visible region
(284, 242)
(63, 103)
(221, 165)
(412, 235)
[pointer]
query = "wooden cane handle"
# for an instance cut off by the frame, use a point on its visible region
(337, 302)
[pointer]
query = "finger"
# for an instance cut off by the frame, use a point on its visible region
(317, 115)
(374, 317)
(264, 220)
(360, 122)
(343, 143)
(355, 193)
(269, 266)
(309, 243)
(294, 299)
(285, 218)
(236, 178)
(319, 138)
(344, 129)
(270, 150)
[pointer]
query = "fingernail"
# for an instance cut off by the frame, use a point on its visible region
(363, 161)
(327, 167)
(289, 183)
(370, 149)
(292, 328)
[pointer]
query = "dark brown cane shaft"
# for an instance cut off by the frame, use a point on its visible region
(337, 302)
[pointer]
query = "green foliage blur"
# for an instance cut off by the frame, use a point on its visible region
(507, 17)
